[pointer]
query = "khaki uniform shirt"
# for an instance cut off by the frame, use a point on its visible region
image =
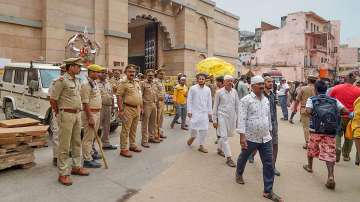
(161, 88)
(114, 83)
(90, 94)
(304, 93)
(149, 91)
(66, 91)
(106, 92)
(130, 92)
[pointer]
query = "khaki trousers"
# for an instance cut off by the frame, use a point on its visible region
(89, 134)
(69, 136)
(129, 126)
(305, 120)
(160, 116)
(105, 118)
(54, 127)
(148, 124)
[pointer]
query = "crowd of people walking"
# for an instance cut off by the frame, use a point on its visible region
(232, 106)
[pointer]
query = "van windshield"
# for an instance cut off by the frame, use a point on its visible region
(48, 75)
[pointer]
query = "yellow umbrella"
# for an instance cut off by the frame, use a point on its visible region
(215, 66)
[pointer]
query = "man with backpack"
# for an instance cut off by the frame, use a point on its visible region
(325, 120)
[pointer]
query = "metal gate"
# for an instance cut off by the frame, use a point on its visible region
(151, 32)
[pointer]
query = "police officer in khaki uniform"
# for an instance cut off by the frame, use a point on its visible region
(106, 109)
(304, 93)
(66, 103)
(115, 79)
(91, 100)
(160, 82)
(150, 103)
(129, 100)
(54, 127)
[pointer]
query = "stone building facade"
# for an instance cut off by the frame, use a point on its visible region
(175, 34)
(303, 44)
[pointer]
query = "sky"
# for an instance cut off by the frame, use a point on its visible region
(252, 12)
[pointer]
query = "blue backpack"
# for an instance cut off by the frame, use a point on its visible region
(325, 117)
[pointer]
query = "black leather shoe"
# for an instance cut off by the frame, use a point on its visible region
(109, 147)
(96, 156)
(92, 164)
(276, 172)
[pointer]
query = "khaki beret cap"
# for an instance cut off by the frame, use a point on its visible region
(73, 61)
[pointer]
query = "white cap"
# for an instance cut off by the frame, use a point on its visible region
(228, 77)
(257, 79)
(183, 78)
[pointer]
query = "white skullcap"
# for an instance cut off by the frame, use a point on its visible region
(257, 79)
(228, 77)
(183, 78)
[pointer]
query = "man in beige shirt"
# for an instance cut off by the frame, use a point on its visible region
(107, 109)
(65, 102)
(91, 100)
(159, 81)
(150, 104)
(304, 93)
(129, 101)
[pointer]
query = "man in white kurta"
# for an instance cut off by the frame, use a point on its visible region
(226, 108)
(199, 111)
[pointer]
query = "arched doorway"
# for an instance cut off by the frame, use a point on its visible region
(148, 40)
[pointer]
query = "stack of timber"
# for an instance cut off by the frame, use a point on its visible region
(17, 137)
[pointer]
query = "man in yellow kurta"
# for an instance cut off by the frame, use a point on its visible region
(179, 98)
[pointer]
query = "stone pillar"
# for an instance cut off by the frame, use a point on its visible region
(116, 33)
(53, 32)
(100, 17)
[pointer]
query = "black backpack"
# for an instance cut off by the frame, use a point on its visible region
(325, 117)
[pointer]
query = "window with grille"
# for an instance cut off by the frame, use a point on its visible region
(8, 75)
(19, 76)
(151, 45)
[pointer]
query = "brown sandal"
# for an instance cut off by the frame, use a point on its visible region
(330, 184)
(306, 167)
(272, 196)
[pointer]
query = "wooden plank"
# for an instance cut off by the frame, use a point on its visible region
(38, 143)
(24, 139)
(9, 146)
(30, 130)
(3, 151)
(17, 159)
(12, 123)
(7, 140)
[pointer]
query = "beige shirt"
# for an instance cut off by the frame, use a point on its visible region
(149, 91)
(161, 89)
(130, 92)
(106, 92)
(66, 91)
(304, 93)
(114, 83)
(90, 94)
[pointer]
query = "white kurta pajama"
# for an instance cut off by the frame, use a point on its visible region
(199, 105)
(226, 108)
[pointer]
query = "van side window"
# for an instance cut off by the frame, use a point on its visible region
(19, 76)
(32, 75)
(8, 75)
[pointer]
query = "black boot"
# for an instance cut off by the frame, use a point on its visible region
(291, 117)
(92, 164)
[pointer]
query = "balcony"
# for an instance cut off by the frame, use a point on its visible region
(318, 48)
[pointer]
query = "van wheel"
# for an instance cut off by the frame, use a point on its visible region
(9, 110)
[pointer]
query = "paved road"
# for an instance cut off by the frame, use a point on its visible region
(171, 171)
